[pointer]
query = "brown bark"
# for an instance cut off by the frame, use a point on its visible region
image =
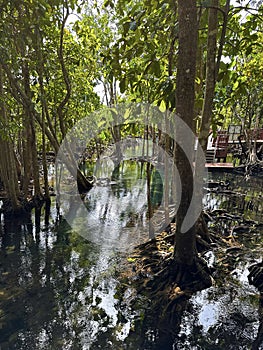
(65, 76)
(35, 166)
(167, 172)
(31, 134)
(211, 74)
(44, 114)
(26, 156)
(223, 35)
(185, 95)
(212, 66)
(8, 171)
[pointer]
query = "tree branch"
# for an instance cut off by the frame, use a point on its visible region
(222, 37)
(65, 75)
(17, 91)
(26, 102)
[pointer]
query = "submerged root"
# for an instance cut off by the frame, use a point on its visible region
(167, 283)
(255, 276)
(23, 208)
(162, 286)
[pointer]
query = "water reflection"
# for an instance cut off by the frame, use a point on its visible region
(58, 290)
(242, 197)
(116, 209)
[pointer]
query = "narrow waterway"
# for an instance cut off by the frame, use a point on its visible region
(58, 289)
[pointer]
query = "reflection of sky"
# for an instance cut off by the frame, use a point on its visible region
(217, 310)
(208, 315)
(115, 211)
(110, 214)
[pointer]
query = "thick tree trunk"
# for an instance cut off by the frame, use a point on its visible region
(30, 132)
(8, 170)
(185, 95)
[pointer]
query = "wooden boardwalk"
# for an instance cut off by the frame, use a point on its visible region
(219, 166)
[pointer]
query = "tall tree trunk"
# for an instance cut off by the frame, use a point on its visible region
(30, 132)
(211, 74)
(44, 112)
(185, 96)
(35, 166)
(166, 173)
(26, 156)
(44, 163)
(8, 171)
(212, 66)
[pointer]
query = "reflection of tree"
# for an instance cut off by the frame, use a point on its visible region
(154, 330)
(241, 196)
(156, 189)
(255, 278)
(22, 288)
(40, 283)
(125, 177)
(127, 170)
(259, 340)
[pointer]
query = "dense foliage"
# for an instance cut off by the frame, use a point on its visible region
(60, 60)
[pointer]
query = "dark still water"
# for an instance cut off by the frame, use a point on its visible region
(58, 289)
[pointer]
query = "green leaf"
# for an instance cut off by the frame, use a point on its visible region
(235, 86)
(127, 114)
(198, 80)
(162, 106)
(249, 50)
(101, 123)
(155, 68)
